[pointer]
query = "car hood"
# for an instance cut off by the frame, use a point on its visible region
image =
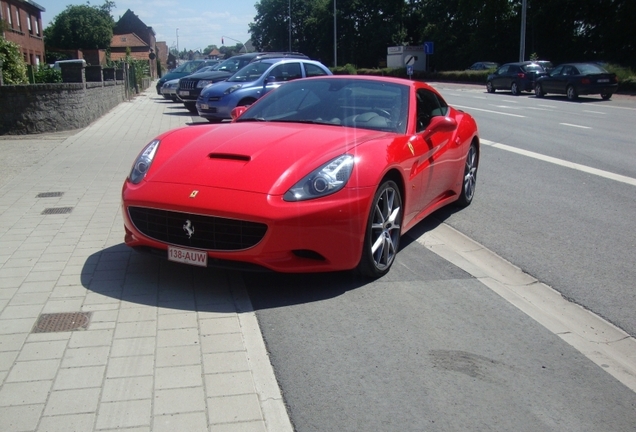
(210, 75)
(259, 157)
(219, 88)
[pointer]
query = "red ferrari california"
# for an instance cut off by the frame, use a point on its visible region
(322, 174)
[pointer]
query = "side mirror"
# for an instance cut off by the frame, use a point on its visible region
(440, 124)
(270, 79)
(236, 112)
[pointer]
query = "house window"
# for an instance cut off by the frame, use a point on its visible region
(37, 27)
(9, 16)
(17, 18)
(29, 23)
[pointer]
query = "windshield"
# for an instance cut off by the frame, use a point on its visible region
(251, 72)
(232, 64)
(188, 67)
(591, 68)
(348, 102)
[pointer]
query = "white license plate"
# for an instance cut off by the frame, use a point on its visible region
(188, 256)
(204, 106)
(603, 80)
(184, 93)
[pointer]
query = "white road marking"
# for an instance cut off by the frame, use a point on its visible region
(594, 112)
(575, 126)
(489, 111)
(564, 163)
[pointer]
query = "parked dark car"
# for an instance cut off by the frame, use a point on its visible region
(190, 87)
(516, 77)
(574, 79)
(484, 65)
(182, 70)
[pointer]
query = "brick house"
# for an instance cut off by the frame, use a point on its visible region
(23, 25)
(131, 32)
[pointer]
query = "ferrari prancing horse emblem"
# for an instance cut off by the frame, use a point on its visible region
(194, 193)
(188, 228)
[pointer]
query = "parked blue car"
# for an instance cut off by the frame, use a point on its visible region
(247, 85)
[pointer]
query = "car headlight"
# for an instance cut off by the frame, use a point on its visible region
(232, 89)
(203, 83)
(327, 179)
(143, 162)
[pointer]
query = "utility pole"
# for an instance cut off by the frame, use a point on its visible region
(335, 38)
(522, 45)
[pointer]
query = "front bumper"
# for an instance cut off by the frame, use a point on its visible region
(319, 235)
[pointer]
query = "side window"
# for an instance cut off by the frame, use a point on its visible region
(502, 70)
(312, 70)
(287, 72)
(428, 106)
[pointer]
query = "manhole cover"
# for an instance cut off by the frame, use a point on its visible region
(49, 195)
(57, 210)
(62, 322)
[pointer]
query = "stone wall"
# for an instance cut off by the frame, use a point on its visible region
(39, 108)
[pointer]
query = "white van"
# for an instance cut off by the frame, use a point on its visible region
(58, 67)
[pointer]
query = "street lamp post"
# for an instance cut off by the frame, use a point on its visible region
(522, 44)
(289, 15)
(335, 43)
(177, 42)
(235, 40)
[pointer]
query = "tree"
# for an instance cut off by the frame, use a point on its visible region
(14, 69)
(81, 27)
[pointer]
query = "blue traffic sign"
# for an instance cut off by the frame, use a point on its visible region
(429, 47)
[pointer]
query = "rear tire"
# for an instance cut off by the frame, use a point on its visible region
(514, 89)
(538, 91)
(382, 237)
(571, 93)
(490, 88)
(606, 96)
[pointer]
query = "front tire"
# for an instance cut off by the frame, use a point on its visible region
(192, 107)
(490, 88)
(606, 96)
(382, 237)
(469, 180)
(538, 91)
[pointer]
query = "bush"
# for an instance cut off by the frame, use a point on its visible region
(14, 70)
(46, 74)
(347, 69)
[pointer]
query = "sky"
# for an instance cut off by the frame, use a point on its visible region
(198, 23)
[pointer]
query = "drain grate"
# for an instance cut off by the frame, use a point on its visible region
(62, 322)
(57, 210)
(49, 195)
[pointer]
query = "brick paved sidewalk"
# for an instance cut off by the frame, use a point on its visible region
(159, 347)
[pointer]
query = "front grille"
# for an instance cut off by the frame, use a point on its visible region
(214, 98)
(187, 84)
(208, 232)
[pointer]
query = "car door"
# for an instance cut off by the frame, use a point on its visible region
(435, 151)
(280, 74)
(551, 84)
(499, 78)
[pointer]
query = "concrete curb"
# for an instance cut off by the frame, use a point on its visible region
(605, 344)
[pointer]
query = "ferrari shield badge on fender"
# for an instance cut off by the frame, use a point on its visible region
(194, 193)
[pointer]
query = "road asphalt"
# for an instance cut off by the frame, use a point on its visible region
(95, 337)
